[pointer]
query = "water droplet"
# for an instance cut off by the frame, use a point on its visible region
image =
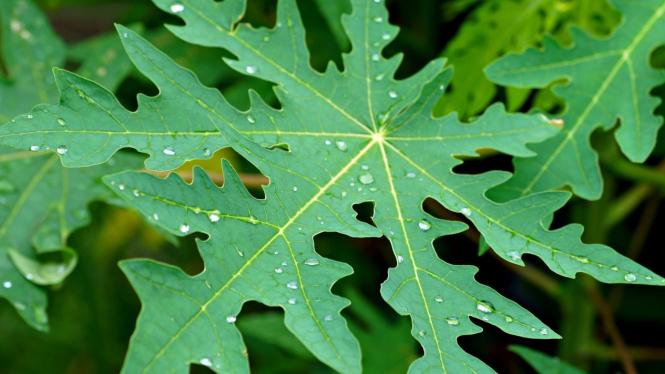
(29, 116)
(251, 119)
(206, 152)
(279, 270)
(344, 194)
(466, 212)
(29, 276)
(231, 319)
(365, 167)
(342, 145)
(424, 225)
(206, 361)
(385, 36)
(251, 69)
(514, 255)
(393, 94)
(543, 331)
(328, 142)
(184, 229)
(379, 77)
(292, 300)
(422, 333)
(452, 321)
(376, 57)
(295, 189)
(410, 175)
(40, 315)
(583, 260)
(328, 318)
(213, 217)
(61, 121)
(312, 262)
(509, 319)
(485, 306)
(169, 151)
(125, 35)
(276, 252)
(35, 148)
(292, 285)
(284, 263)
(7, 284)
(366, 178)
(400, 259)
(378, 19)
(121, 186)
(136, 193)
(630, 277)
(438, 299)
(615, 268)
(648, 277)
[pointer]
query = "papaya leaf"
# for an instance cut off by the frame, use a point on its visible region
(41, 202)
(608, 79)
(497, 27)
(544, 364)
(341, 138)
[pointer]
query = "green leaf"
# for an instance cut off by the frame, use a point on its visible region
(608, 79)
(542, 363)
(496, 27)
(41, 202)
(352, 136)
(332, 12)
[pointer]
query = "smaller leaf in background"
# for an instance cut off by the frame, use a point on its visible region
(41, 202)
(608, 78)
(542, 363)
(496, 27)
(332, 12)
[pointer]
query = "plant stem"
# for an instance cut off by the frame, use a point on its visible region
(607, 317)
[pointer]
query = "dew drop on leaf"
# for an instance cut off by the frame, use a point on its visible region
(35, 148)
(155, 216)
(509, 319)
(184, 229)
(514, 255)
(366, 178)
(206, 152)
(630, 277)
(206, 361)
(543, 331)
(292, 300)
(393, 94)
(250, 69)
(7, 284)
(438, 299)
(213, 217)
(121, 186)
(251, 119)
(169, 151)
(452, 321)
(61, 121)
(177, 8)
(312, 262)
(424, 225)
(342, 145)
(466, 212)
(231, 319)
(279, 270)
(328, 318)
(292, 285)
(485, 306)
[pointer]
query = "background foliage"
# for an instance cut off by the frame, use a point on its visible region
(92, 314)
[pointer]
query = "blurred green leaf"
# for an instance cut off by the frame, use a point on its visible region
(542, 363)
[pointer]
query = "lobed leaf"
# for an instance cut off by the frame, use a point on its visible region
(608, 79)
(41, 202)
